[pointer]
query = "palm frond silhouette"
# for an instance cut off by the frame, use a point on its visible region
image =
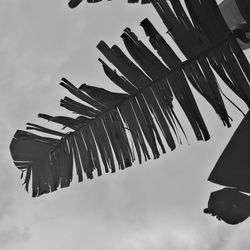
(114, 129)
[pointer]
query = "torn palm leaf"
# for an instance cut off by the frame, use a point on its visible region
(112, 130)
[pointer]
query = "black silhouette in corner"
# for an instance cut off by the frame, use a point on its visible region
(74, 3)
(229, 205)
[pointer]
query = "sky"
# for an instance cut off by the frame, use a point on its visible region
(154, 206)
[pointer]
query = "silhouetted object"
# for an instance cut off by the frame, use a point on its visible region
(233, 167)
(237, 16)
(244, 7)
(235, 13)
(75, 3)
(229, 205)
(140, 122)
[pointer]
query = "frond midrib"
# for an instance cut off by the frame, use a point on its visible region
(180, 67)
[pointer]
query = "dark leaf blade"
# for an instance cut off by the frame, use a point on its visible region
(103, 144)
(79, 108)
(122, 138)
(239, 71)
(160, 45)
(201, 76)
(66, 121)
(159, 117)
(193, 43)
(79, 94)
(74, 3)
(103, 96)
(133, 73)
(244, 8)
(153, 67)
(64, 164)
(214, 91)
(32, 126)
(85, 155)
(233, 68)
(243, 62)
(177, 81)
(92, 148)
(164, 97)
(232, 168)
(118, 80)
(201, 13)
(152, 132)
(26, 147)
(108, 123)
(131, 122)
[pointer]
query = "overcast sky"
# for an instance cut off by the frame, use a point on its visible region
(154, 206)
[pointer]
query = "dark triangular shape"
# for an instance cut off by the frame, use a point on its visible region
(233, 167)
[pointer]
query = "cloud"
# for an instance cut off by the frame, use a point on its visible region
(6, 184)
(216, 238)
(239, 239)
(171, 236)
(6, 206)
(13, 236)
